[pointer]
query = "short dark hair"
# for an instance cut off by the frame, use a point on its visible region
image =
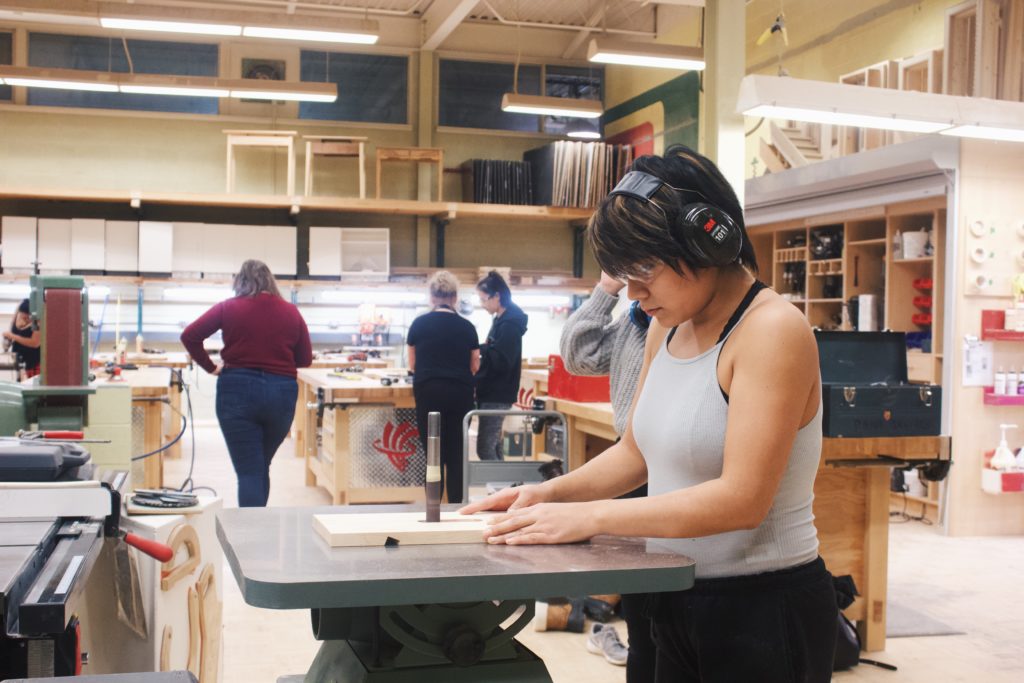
(23, 307)
(629, 235)
(493, 283)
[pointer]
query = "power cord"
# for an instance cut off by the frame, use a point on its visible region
(187, 423)
(902, 516)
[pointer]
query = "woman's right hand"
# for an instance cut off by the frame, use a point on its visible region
(511, 498)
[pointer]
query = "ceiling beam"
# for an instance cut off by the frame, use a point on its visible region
(582, 36)
(441, 18)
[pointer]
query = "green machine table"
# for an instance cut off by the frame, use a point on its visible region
(428, 612)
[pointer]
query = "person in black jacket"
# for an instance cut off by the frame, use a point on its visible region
(25, 340)
(444, 354)
(497, 383)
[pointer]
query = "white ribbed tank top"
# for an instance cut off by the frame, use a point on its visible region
(679, 424)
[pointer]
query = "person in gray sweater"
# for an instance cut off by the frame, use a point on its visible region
(592, 343)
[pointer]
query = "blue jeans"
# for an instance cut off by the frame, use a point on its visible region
(488, 432)
(255, 410)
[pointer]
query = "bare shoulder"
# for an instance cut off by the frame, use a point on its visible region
(775, 324)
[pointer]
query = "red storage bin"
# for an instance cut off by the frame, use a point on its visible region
(563, 384)
(924, 302)
(922, 318)
(925, 284)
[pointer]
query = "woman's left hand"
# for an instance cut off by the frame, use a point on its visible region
(545, 523)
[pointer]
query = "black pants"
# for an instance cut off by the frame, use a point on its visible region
(453, 400)
(776, 627)
(640, 662)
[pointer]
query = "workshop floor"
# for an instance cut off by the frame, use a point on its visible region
(975, 583)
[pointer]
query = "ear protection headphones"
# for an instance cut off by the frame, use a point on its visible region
(711, 233)
(638, 316)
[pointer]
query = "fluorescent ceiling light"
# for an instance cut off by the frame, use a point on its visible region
(15, 290)
(551, 106)
(158, 84)
(185, 91)
(170, 26)
(284, 95)
(656, 55)
(842, 104)
(60, 79)
(227, 22)
(358, 297)
(542, 299)
(987, 133)
(309, 35)
(903, 110)
(584, 134)
(61, 85)
(839, 118)
(197, 294)
(98, 292)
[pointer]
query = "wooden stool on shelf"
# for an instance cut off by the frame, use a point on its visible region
(417, 155)
(261, 138)
(335, 146)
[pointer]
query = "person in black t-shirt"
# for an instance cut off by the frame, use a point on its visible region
(24, 339)
(444, 354)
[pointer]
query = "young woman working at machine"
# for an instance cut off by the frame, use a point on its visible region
(726, 430)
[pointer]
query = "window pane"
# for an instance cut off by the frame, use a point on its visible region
(470, 95)
(107, 54)
(570, 81)
(6, 57)
(370, 87)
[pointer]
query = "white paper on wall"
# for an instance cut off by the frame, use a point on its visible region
(977, 364)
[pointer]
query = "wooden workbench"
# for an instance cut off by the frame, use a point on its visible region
(362, 456)
(176, 360)
(851, 499)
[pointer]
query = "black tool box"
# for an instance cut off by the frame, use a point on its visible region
(865, 391)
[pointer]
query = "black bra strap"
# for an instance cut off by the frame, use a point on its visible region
(742, 308)
(736, 315)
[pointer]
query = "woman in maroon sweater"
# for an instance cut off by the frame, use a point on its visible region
(265, 340)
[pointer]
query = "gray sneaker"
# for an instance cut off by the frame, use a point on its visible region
(604, 640)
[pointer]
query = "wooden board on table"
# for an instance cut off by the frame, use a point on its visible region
(408, 528)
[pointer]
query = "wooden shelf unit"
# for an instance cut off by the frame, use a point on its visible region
(406, 207)
(865, 267)
(124, 206)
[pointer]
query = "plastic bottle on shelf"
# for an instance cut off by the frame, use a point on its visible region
(897, 245)
(1003, 459)
(1000, 386)
(1012, 383)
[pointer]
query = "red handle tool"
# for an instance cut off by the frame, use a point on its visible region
(155, 549)
(63, 435)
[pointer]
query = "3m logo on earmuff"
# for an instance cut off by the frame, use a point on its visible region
(717, 232)
(725, 236)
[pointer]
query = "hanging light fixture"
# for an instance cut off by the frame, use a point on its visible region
(551, 106)
(158, 84)
(544, 105)
(583, 129)
(798, 99)
(134, 17)
(610, 51)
